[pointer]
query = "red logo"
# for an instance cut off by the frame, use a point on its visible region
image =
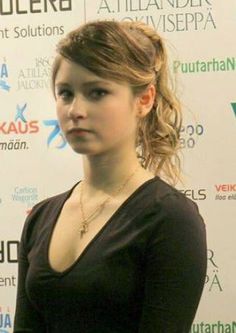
(19, 127)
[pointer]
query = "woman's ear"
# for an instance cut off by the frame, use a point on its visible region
(145, 101)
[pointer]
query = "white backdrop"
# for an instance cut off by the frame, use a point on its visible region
(35, 162)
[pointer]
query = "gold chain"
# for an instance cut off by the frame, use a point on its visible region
(83, 229)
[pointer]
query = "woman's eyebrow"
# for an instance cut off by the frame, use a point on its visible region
(94, 82)
(61, 84)
(85, 84)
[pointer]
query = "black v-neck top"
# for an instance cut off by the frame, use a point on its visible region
(143, 272)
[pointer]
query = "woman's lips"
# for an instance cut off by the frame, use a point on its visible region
(78, 131)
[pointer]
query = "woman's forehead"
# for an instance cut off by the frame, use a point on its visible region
(71, 72)
(69, 68)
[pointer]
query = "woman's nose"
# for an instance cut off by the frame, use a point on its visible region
(77, 108)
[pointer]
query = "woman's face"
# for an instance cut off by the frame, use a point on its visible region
(95, 115)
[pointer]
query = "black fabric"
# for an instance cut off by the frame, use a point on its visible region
(143, 272)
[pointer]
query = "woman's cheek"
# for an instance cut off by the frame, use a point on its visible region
(61, 114)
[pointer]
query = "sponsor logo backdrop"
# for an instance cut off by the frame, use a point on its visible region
(34, 154)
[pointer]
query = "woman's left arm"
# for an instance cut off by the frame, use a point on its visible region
(175, 271)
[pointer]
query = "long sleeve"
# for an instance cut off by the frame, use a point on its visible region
(175, 269)
(27, 318)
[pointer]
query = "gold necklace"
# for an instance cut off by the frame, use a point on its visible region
(83, 229)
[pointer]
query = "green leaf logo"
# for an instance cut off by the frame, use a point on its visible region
(234, 108)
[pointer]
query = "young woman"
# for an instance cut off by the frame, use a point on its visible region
(122, 251)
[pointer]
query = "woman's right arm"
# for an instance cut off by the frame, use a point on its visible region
(27, 319)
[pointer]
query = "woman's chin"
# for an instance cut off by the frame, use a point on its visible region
(83, 150)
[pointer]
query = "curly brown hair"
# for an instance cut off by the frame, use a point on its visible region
(133, 52)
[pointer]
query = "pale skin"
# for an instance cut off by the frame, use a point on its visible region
(110, 112)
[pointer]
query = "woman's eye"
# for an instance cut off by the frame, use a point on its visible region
(98, 93)
(65, 94)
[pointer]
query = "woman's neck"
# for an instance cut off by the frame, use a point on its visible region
(108, 173)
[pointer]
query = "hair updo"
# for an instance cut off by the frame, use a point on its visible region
(133, 52)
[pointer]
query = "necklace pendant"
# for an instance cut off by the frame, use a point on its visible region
(83, 229)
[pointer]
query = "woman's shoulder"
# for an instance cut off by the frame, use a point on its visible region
(174, 218)
(51, 203)
(53, 200)
(174, 205)
(44, 211)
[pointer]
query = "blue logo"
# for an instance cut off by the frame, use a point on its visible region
(55, 134)
(4, 85)
(5, 322)
(234, 108)
(19, 113)
(3, 77)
